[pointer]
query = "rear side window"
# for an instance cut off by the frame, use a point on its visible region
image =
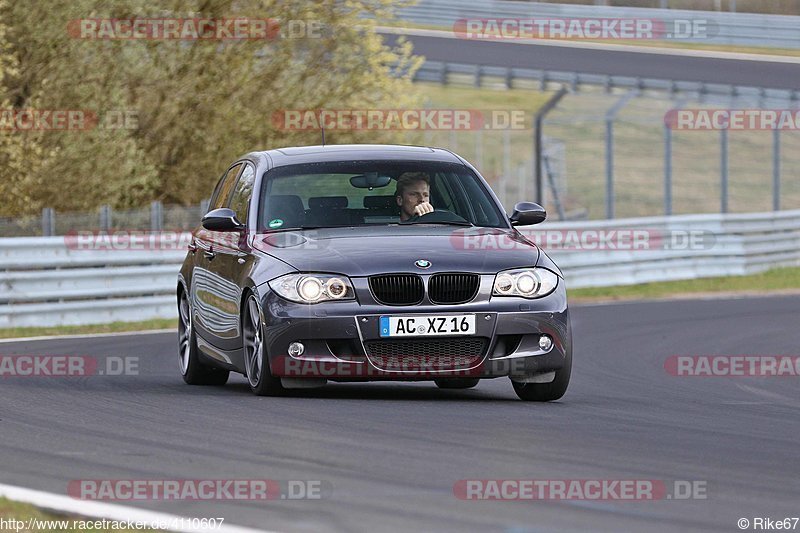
(225, 187)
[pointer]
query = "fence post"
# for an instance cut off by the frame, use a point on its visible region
(105, 217)
(538, 142)
(611, 117)
(48, 222)
(156, 216)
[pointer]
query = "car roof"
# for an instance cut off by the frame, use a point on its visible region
(363, 152)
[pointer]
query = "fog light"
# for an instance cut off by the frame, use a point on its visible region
(296, 349)
(545, 343)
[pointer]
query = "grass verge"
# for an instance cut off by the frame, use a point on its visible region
(773, 281)
(35, 520)
(114, 327)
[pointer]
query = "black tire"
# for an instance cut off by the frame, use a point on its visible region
(192, 370)
(456, 383)
(546, 392)
(256, 362)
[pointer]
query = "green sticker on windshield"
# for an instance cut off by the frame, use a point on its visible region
(275, 223)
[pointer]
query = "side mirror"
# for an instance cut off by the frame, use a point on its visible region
(527, 214)
(222, 219)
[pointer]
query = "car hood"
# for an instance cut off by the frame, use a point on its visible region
(365, 251)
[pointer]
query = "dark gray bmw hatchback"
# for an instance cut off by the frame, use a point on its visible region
(369, 262)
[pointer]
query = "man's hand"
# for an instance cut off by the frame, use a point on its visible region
(423, 209)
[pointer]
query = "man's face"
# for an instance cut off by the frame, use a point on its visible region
(415, 194)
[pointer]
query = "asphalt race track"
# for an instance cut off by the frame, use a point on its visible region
(587, 60)
(391, 453)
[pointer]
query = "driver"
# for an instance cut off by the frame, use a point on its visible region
(413, 194)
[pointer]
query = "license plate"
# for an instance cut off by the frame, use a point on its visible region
(427, 326)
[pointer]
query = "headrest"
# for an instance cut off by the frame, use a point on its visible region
(379, 202)
(327, 202)
(285, 202)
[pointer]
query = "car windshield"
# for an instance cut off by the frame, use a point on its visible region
(337, 194)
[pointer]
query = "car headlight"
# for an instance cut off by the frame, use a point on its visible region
(313, 288)
(525, 282)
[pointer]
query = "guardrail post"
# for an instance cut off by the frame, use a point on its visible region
(105, 217)
(724, 171)
(776, 169)
(156, 216)
(48, 222)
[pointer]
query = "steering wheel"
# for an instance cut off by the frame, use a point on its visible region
(437, 215)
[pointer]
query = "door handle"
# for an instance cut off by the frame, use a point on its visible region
(210, 254)
(192, 247)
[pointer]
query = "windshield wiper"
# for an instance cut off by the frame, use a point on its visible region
(445, 222)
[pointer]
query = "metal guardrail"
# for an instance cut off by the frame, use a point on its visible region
(46, 282)
(740, 29)
(43, 282)
(742, 244)
(448, 73)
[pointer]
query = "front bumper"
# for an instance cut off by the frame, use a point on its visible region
(340, 340)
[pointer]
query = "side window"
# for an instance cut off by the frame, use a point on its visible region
(242, 192)
(226, 186)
